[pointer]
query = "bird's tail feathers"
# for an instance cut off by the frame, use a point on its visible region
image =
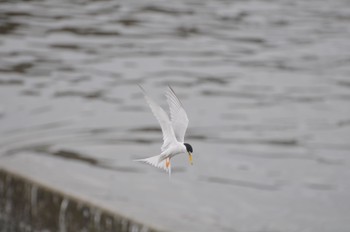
(157, 161)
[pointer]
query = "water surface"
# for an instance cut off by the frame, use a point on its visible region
(265, 84)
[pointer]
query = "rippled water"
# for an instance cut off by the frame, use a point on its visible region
(265, 83)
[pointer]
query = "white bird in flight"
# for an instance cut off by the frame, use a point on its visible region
(173, 129)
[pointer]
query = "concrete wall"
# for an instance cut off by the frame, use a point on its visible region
(28, 206)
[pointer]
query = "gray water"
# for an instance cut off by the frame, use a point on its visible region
(265, 84)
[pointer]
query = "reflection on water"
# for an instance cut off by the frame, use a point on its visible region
(265, 84)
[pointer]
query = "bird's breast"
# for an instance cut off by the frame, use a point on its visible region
(175, 149)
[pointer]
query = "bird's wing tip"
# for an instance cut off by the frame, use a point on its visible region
(169, 86)
(142, 89)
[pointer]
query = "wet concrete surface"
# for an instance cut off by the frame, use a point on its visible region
(29, 206)
(266, 88)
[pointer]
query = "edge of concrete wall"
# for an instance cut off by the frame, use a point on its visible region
(26, 205)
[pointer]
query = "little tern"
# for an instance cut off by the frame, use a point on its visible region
(173, 129)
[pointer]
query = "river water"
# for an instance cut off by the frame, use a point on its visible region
(266, 85)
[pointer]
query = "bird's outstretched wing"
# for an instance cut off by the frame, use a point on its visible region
(179, 119)
(164, 121)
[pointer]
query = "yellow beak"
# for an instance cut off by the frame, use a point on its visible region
(190, 158)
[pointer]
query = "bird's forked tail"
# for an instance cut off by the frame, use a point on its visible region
(158, 161)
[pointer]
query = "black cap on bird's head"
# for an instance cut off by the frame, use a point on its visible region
(188, 147)
(189, 151)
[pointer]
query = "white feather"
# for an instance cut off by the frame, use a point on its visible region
(179, 119)
(156, 161)
(173, 130)
(164, 121)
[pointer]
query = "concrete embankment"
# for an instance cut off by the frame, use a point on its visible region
(26, 205)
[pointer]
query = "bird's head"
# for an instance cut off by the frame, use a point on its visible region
(189, 151)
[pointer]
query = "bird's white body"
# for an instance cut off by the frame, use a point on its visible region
(173, 150)
(173, 128)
